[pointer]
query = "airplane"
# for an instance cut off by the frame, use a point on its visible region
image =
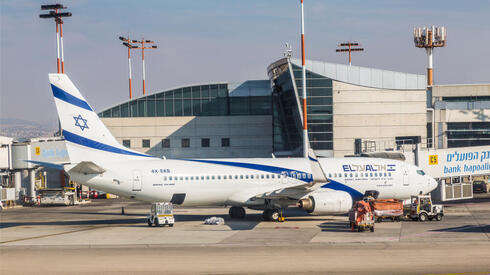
(318, 185)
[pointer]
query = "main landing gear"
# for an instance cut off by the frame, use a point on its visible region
(237, 212)
(273, 215)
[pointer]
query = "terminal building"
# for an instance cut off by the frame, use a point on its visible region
(383, 109)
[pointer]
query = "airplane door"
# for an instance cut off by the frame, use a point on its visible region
(405, 179)
(137, 180)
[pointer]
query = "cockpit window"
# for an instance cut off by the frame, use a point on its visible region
(421, 172)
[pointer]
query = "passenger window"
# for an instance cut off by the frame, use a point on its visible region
(224, 177)
(357, 175)
(371, 174)
(267, 176)
(186, 178)
(230, 177)
(212, 177)
(389, 174)
(219, 177)
(164, 178)
(351, 175)
(181, 178)
(169, 178)
(202, 177)
(192, 178)
(207, 177)
(340, 175)
(236, 177)
(385, 174)
(241, 176)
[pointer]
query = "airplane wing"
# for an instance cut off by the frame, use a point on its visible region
(87, 167)
(294, 192)
(46, 164)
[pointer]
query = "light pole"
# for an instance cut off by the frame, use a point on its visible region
(303, 74)
(348, 47)
(54, 13)
(429, 38)
(143, 48)
(127, 42)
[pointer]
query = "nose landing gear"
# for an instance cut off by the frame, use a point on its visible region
(273, 215)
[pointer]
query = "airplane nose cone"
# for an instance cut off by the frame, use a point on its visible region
(433, 184)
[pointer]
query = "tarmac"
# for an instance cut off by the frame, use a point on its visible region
(98, 238)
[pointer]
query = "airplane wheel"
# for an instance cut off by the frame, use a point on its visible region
(171, 225)
(237, 212)
(274, 215)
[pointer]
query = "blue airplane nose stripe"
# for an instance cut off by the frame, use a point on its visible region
(260, 167)
(334, 185)
(68, 98)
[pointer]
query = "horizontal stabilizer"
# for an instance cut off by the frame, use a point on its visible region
(87, 167)
(46, 164)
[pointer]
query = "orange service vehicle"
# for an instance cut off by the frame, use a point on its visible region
(387, 209)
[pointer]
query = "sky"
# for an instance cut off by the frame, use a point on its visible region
(222, 40)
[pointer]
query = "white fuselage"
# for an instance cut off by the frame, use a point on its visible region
(235, 181)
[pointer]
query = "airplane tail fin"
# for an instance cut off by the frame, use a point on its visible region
(86, 136)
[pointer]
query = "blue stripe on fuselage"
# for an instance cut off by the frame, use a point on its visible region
(335, 185)
(260, 167)
(68, 98)
(71, 137)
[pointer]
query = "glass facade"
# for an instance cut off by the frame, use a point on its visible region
(201, 100)
(461, 134)
(286, 114)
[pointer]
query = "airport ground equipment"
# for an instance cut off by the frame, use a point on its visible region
(387, 209)
(422, 209)
(361, 216)
(161, 214)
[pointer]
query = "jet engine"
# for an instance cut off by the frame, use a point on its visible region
(327, 202)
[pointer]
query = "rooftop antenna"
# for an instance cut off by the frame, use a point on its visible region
(289, 51)
(54, 13)
(348, 47)
(429, 38)
(303, 75)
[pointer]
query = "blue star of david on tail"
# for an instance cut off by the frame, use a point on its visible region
(81, 122)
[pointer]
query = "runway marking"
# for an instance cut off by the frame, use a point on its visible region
(54, 234)
(464, 273)
(438, 232)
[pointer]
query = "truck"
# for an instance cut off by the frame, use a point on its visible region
(161, 214)
(387, 209)
(422, 209)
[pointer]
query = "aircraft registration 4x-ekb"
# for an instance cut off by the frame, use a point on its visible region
(319, 185)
